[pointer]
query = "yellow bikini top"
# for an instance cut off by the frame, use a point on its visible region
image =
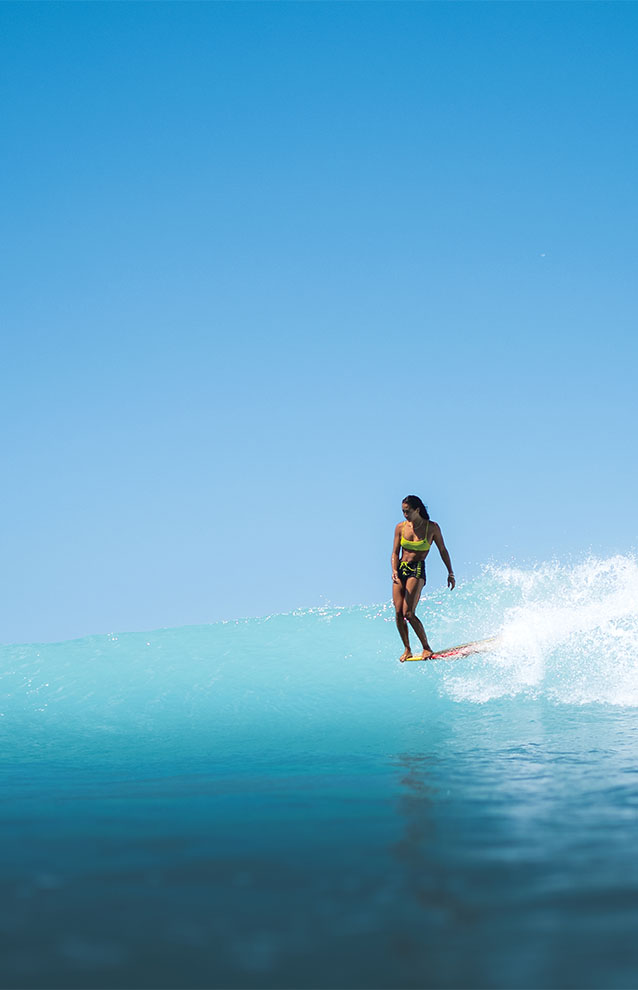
(416, 545)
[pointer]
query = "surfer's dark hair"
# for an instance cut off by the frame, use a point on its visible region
(415, 503)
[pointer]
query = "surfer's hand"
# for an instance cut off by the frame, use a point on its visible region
(395, 578)
(451, 582)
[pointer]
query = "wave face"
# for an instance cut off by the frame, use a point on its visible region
(569, 635)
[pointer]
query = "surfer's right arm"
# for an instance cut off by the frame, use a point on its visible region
(395, 553)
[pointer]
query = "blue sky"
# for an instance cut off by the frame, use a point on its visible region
(269, 267)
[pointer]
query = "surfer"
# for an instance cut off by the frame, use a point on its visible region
(412, 541)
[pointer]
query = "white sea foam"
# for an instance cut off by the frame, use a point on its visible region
(570, 633)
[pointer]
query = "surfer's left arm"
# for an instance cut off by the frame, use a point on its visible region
(445, 557)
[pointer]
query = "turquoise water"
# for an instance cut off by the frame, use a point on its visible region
(278, 802)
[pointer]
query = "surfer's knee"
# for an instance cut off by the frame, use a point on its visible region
(408, 614)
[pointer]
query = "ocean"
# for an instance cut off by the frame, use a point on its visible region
(279, 803)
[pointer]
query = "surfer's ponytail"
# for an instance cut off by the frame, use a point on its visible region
(415, 503)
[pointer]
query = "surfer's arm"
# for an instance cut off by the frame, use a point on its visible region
(445, 557)
(395, 553)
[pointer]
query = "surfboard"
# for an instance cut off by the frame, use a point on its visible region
(464, 650)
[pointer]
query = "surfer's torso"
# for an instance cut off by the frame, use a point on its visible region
(416, 543)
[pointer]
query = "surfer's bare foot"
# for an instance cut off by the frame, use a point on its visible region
(405, 655)
(427, 654)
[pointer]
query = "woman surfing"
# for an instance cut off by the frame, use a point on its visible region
(412, 541)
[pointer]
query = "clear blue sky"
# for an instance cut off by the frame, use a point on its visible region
(269, 267)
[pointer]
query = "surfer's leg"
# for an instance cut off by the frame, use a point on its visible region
(413, 589)
(398, 596)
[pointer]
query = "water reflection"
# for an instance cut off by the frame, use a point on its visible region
(433, 909)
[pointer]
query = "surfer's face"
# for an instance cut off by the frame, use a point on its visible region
(408, 512)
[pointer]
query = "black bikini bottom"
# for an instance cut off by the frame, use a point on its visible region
(415, 569)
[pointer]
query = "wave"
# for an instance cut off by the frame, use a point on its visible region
(569, 635)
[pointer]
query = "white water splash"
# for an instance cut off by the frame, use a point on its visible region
(572, 635)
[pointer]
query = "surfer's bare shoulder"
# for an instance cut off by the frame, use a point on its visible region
(437, 535)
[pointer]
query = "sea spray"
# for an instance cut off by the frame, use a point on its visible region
(567, 633)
